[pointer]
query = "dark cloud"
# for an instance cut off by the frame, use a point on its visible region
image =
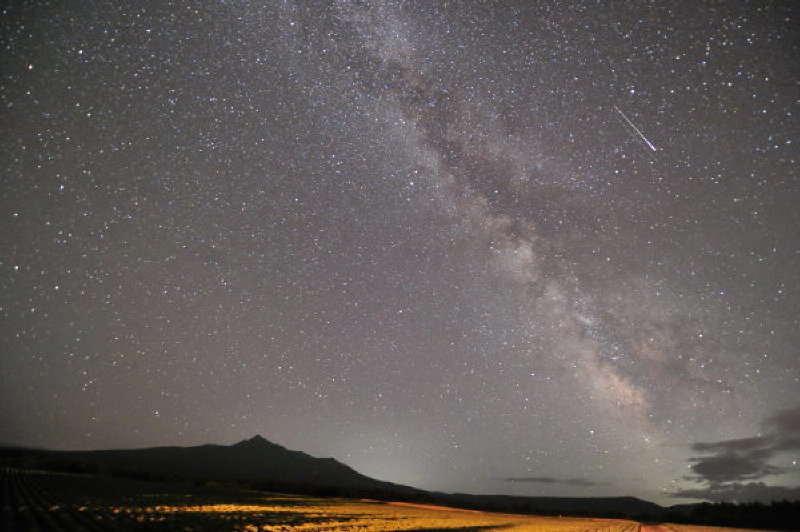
(744, 444)
(732, 466)
(732, 461)
(534, 480)
(740, 492)
(552, 480)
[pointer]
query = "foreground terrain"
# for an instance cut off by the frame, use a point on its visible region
(690, 528)
(39, 500)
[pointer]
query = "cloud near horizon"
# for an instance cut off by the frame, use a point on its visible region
(552, 480)
(727, 464)
(748, 458)
(741, 492)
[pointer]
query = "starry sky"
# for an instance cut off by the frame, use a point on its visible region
(522, 247)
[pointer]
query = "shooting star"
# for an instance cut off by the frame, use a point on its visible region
(649, 144)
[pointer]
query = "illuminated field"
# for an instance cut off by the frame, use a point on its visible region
(692, 528)
(53, 501)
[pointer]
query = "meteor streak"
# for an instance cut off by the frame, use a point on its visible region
(649, 144)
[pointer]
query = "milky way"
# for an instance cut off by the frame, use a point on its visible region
(515, 247)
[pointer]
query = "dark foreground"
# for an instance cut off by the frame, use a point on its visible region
(39, 500)
(52, 501)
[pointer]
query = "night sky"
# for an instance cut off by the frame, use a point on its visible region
(523, 247)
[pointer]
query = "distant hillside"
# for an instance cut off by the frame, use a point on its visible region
(589, 506)
(254, 459)
(262, 464)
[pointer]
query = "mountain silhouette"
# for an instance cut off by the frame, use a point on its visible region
(261, 464)
(256, 458)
